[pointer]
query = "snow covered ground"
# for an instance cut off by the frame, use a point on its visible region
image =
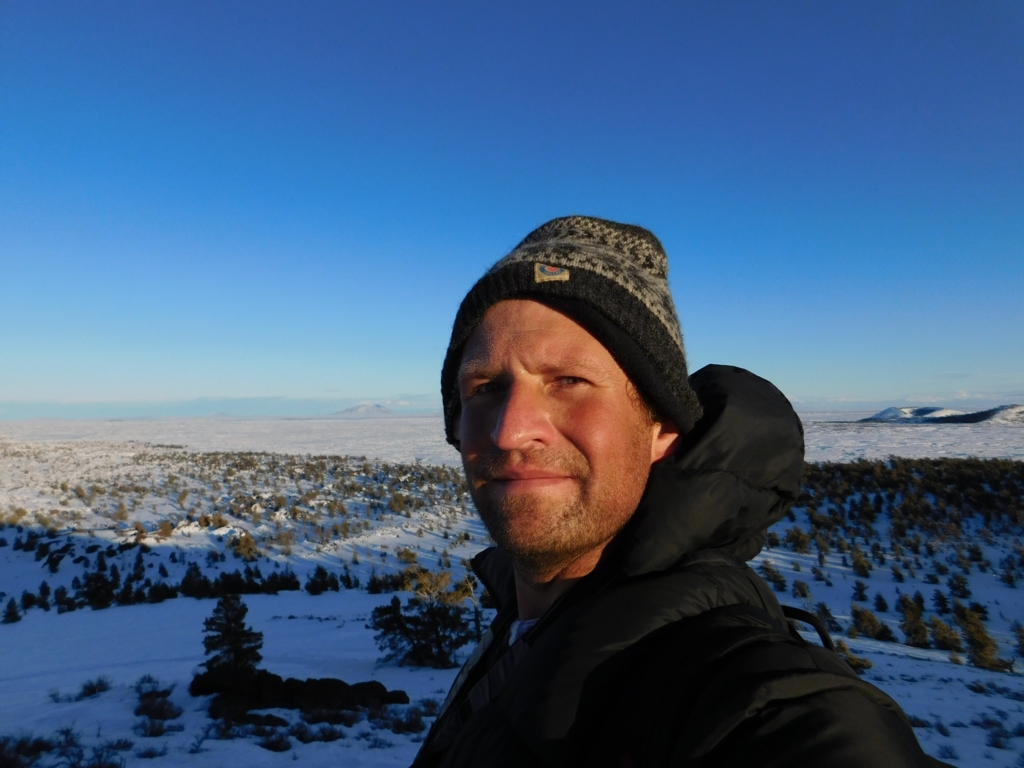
(303, 636)
(393, 438)
(74, 477)
(830, 436)
(848, 441)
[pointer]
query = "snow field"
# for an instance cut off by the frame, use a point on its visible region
(410, 438)
(303, 636)
(289, 504)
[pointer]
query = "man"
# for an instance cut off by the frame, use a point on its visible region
(625, 499)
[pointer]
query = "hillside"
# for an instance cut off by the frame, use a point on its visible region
(1003, 414)
(366, 409)
(122, 547)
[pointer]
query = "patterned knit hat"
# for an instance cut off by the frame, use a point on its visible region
(610, 278)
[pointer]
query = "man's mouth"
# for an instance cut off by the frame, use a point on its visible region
(528, 474)
(526, 479)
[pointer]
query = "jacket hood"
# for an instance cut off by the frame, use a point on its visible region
(735, 474)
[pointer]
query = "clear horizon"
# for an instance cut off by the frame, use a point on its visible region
(300, 408)
(205, 201)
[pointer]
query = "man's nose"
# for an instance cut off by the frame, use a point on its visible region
(524, 418)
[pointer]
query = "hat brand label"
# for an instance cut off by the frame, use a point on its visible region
(545, 273)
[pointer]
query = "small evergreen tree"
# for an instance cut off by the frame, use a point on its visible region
(944, 637)
(801, 589)
(913, 625)
(97, 591)
(981, 648)
(860, 591)
(11, 613)
(861, 565)
(880, 604)
(44, 596)
(194, 583)
(772, 576)
(431, 627)
(866, 623)
(321, 581)
(235, 647)
(139, 569)
(957, 584)
(826, 616)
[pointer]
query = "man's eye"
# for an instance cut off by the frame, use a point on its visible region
(570, 380)
(488, 387)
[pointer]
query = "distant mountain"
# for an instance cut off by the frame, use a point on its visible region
(1003, 414)
(366, 409)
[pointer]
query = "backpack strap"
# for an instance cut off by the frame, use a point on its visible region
(814, 620)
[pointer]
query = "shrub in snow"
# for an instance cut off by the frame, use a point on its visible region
(104, 756)
(276, 742)
(979, 609)
(321, 581)
(827, 618)
(798, 540)
(912, 623)
(346, 717)
(307, 735)
(866, 623)
(91, 688)
(861, 565)
(251, 582)
(981, 648)
(957, 584)
(154, 700)
(97, 591)
(940, 602)
(244, 546)
(431, 627)
(63, 601)
(43, 600)
(858, 664)
(11, 613)
(149, 728)
(801, 589)
(772, 576)
(22, 751)
(302, 732)
(860, 591)
(944, 637)
(28, 600)
(947, 752)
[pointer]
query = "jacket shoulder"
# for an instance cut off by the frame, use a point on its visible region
(725, 686)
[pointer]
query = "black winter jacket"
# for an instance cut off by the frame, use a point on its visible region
(673, 652)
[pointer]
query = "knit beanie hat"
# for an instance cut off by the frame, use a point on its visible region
(610, 278)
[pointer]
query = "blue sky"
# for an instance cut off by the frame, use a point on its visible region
(287, 201)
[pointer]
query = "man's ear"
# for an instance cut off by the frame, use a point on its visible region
(665, 437)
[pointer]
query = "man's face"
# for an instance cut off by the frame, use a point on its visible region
(556, 443)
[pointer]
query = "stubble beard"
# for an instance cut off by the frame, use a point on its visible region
(545, 532)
